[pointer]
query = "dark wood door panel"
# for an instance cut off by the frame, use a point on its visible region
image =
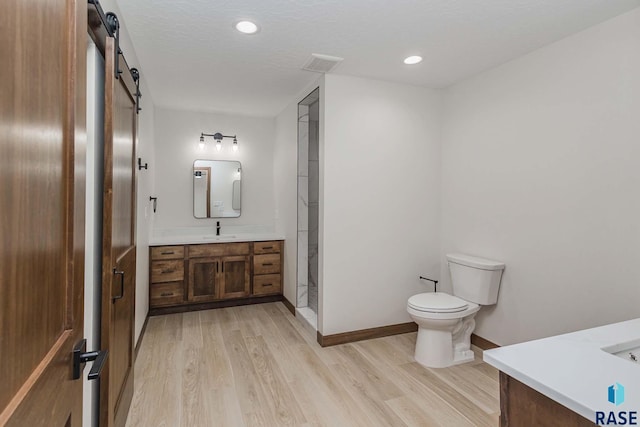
(204, 280)
(122, 348)
(123, 170)
(236, 277)
(42, 81)
(118, 275)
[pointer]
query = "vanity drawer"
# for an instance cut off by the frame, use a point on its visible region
(167, 271)
(267, 248)
(218, 249)
(167, 252)
(266, 264)
(267, 284)
(171, 293)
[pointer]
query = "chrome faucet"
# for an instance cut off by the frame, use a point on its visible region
(217, 228)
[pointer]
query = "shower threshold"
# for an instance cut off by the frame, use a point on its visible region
(308, 315)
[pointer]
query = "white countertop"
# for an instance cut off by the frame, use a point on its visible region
(190, 239)
(573, 370)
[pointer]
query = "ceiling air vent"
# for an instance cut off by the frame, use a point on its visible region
(321, 63)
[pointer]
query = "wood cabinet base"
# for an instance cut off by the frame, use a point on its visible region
(522, 406)
(214, 304)
(211, 275)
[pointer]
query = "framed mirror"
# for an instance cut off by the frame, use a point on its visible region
(217, 186)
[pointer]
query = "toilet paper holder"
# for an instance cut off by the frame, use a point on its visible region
(435, 283)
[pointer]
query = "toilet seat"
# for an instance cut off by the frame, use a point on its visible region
(437, 302)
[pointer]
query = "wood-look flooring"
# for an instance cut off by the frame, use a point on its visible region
(257, 365)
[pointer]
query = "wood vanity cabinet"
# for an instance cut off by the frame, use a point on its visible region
(522, 406)
(267, 268)
(188, 275)
(211, 279)
(166, 276)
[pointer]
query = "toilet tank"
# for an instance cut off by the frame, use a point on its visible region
(475, 279)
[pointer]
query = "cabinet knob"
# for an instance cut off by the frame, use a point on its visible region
(166, 294)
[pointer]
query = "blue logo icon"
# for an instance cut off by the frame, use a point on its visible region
(616, 394)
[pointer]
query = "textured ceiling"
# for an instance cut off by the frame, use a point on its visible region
(193, 58)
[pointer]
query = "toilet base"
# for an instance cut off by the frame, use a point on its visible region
(444, 343)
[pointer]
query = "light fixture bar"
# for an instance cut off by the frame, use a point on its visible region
(218, 137)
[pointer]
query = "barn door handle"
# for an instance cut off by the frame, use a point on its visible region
(121, 274)
(80, 357)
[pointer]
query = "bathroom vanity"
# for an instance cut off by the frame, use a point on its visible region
(222, 272)
(565, 380)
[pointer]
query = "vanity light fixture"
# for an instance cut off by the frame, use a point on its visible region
(218, 137)
(412, 60)
(247, 27)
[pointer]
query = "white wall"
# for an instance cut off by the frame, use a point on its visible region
(379, 200)
(93, 223)
(541, 170)
(177, 135)
(145, 216)
(285, 178)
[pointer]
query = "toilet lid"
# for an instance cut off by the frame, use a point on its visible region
(437, 302)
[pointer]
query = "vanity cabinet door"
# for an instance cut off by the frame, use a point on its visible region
(204, 279)
(236, 277)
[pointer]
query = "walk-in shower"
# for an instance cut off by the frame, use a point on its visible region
(308, 201)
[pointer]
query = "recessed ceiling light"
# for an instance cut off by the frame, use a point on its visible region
(247, 27)
(412, 60)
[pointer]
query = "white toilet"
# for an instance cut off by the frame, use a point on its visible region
(445, 322)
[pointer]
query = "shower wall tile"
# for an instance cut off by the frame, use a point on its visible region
(313, 278)
(303, 149)
(303, 203)
(303, 113)
(313, 137)
(308, 207)
(313, 224)
(314, 182)
(303, 269)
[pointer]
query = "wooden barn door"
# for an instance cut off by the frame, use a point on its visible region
(119, 247)
(42, 209)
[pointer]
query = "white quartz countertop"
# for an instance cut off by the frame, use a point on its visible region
(190, 239)
(573, 370)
